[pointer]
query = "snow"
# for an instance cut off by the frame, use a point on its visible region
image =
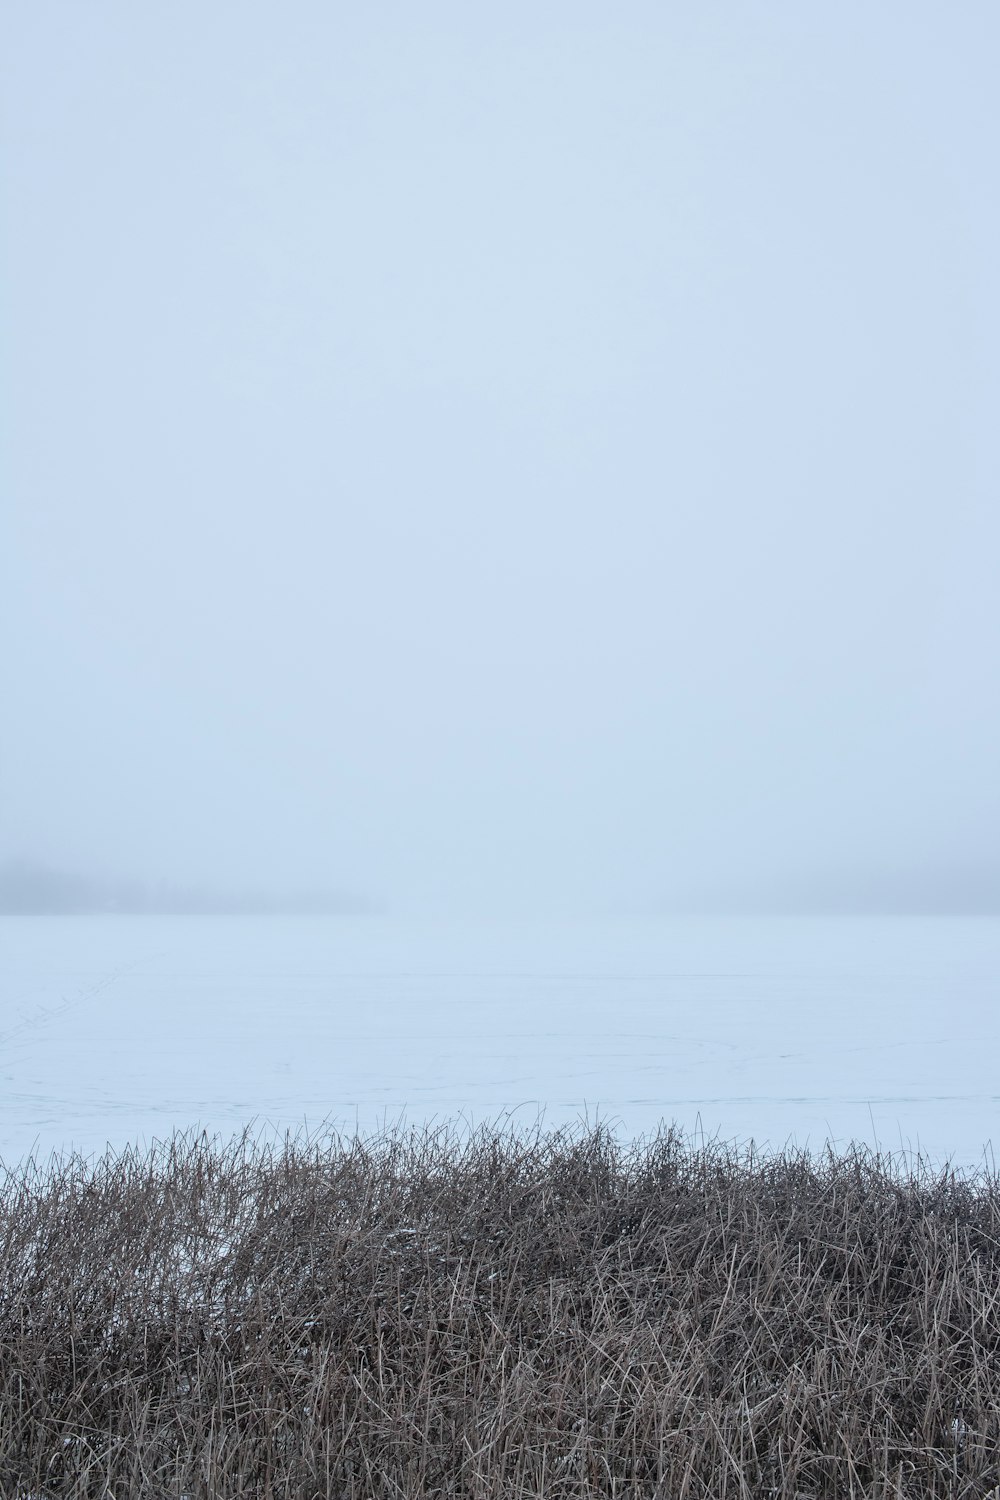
(121, 1029)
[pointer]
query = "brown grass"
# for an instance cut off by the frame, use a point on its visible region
(497, 1315)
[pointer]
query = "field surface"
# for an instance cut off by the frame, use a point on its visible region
(119, 1029)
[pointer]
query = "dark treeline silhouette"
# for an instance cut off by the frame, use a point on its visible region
(31, 889)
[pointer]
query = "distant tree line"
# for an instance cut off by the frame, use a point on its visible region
(31, 889)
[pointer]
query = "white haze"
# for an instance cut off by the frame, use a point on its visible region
(538, 455)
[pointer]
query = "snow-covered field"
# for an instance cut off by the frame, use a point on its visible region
(119, 1029)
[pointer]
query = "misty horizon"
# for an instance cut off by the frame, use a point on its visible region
(541, 460)
(31, 888)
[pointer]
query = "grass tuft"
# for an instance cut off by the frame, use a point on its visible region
(487, 1314)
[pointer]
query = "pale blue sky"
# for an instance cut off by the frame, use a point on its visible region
(532, 455)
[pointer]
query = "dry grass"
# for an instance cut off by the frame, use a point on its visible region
(495, 1315)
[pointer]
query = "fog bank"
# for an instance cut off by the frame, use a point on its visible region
(536, 459)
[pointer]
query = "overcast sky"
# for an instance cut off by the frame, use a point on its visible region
(534, 455)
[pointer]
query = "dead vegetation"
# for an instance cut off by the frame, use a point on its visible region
(494, 1315)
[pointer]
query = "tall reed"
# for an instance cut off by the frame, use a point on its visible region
(487, 1314)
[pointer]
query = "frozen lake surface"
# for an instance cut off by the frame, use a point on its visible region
(121, 1029)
